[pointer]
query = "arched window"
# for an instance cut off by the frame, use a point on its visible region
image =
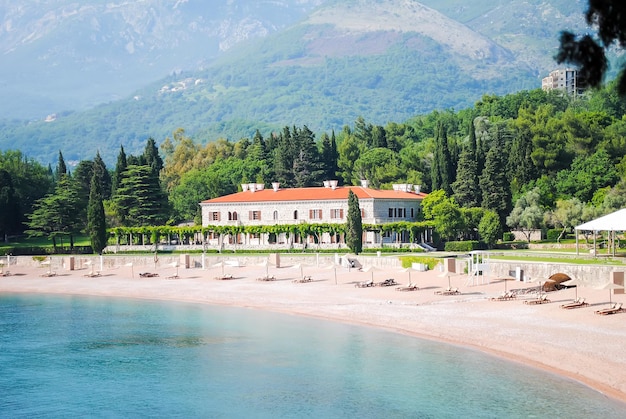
(275, 215)
(235, 216)
(295, 215)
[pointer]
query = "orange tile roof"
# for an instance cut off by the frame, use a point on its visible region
(312, 194)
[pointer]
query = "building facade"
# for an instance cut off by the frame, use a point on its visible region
(562, 79)
(256, 205)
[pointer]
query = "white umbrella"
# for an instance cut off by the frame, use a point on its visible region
(371, 269)
(174, 265)
(575, 283)
(409, 271)
(611, 286)
(219, 264)
(299, 266)
(267, 267)
(333, 266)
(132, 272)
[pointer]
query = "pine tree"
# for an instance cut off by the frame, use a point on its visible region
(329, 156)
(496, 194)
(140, 200)
(354, 225)
(96, 221)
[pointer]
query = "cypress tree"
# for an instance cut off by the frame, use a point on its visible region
(120, 168)
(61, 167)
(151, 156)
(103, 176)
(466, 187)
(96, 221)
(441, 171)
(496, 194)
(354, 225)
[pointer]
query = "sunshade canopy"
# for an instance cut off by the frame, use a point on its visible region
(615, 221)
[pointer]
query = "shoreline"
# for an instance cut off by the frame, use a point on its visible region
(576, 344)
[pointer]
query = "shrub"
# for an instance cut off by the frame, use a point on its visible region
(508, 236)
(465, 246)
(553, 234)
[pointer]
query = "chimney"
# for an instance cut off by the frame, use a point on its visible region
(417, 188)
(260, 186)
(275, 186)
(333, 184)
(252, 187)
(364, 183)
(244, 187)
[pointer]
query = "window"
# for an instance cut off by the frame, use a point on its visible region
(362, 213)
(255, 215)
(412, 212)
(336, 213)
(295, 215)
(315, 214)
(275, 215)
(390, 212)
(215, 216)
(232, 216)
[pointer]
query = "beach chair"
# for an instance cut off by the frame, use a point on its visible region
(448, 291)
(507, 296)
(365, 284)
(387, 283)
(147, 274)
(266, 278)
(577, 303)
(409, 287)
(224, 277)
(304, 279)
(48, 274)
(541, 300)
(615, 308)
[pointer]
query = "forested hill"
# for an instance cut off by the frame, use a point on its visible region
(384, 60)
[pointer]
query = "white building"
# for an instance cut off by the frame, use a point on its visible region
(255, 205)
(562, 79)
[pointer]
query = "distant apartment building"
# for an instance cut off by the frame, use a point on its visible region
(562, 79)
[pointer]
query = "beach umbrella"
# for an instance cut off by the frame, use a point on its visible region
(174, 265)
(573, 283)
(218, 265)
(132, 272)
(299, 267)
(409, 271)
(371, 269)
(611, 286)
(505, 279)
(333, 266)
(267, 267)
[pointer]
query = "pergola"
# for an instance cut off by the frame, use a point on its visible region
(613, 222)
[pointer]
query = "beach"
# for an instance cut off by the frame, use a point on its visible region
(574, 343)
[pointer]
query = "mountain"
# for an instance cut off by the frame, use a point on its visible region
(68, 55)
(385, 60)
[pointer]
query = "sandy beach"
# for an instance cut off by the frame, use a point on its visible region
(574, 343)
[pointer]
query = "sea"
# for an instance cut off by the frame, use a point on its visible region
(70, 356)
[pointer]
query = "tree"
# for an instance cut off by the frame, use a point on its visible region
(442, 176)
(587, 175)
(120, 168)
(329, 156)
(527, 214)
(139, 200)
(567, 214)
(96, 222)
(489, 228)
(103, 176)
(151, 156)
(58, 214)
(354, 225)
(466, 188)
(61, 167)
(493, 182)
(9, 215)
(448, 220)
(378, 165)
(608, 17)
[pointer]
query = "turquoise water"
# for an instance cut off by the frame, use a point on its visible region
(100, 357)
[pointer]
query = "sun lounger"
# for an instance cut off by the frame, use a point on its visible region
(303, 279)
(266, 278)
(147, 274)
(172, 277)
(224, 277)
(48, 274)
(448, 291)
(542, 300)
(365, 284)
(615, 308)
(577, 303)
(92, 274)
(5, 273)
(387, 283)
(507, 296)
(410, 287)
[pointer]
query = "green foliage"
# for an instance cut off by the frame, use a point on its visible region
(508, 236)
(489, 228)
(354, 226)
(464, 246)
(96, 222)
(431, 262)
(527, 214)
(139, 200)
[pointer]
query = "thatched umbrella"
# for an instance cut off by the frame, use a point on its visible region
(574, 283)
(371, 269)
(611, 286)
